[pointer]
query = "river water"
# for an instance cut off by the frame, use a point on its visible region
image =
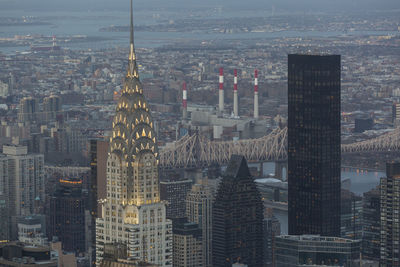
(362, 181)
(88, 24)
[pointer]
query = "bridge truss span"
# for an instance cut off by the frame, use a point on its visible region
(196, 150)
(389, 141)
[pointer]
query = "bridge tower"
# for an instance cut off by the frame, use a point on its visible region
(281, 165)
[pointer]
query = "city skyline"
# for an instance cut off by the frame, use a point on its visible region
(207, 134)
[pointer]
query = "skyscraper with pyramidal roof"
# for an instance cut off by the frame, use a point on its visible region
(132, 213)
(237, 218)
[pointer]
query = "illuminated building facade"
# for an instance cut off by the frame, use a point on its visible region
(115, 255)
(132, 213)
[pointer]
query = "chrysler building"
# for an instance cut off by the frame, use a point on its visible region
(132, 213)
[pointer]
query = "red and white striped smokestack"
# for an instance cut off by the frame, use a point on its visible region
(235, 94)
(256, 94)
(221, 90)
(184, 101)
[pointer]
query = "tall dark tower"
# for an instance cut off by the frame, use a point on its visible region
(314, 144)
(237, 218)
(67, 215)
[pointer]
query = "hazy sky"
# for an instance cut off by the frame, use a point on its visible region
(282, 5)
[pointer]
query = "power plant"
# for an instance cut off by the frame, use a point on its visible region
(235, 94)
(255, 94)
(221, 122)
(184, 102)
(221, 90)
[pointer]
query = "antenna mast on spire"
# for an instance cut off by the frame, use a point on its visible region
(132, 69)
(131, 29)
(132, 47)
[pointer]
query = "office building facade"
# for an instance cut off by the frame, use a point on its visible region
(22, 187)
(174, 193)
(115, 255)
(272, 229)
(4, 200)
(371, 221)
(132, 212)
(28, 109)
(32, 230)
(67, 215)
(199, 210)
(351, 215)
(187, 244)
(390, 216)
(52, 106)
(314, 144)
(26, 179)
(237, 223)
(315, 250)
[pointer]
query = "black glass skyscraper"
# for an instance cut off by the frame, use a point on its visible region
(314, 144)
(67, 215)
(237, 218)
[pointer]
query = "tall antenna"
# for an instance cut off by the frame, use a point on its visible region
(131, 29)
(132, 55)
(132, 68)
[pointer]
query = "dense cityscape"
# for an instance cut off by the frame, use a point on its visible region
(205, 140)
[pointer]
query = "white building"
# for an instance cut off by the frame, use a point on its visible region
(25, 179)
(3, 89)
(4, 199)
(21, 187)
(31, 230)
(132, 213)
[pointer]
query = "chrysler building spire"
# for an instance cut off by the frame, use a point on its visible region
(131, 28)
(132, 213)
(133, 129)
(133, 137)
(132, 68)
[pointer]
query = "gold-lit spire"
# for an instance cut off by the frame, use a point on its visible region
(133, 129)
